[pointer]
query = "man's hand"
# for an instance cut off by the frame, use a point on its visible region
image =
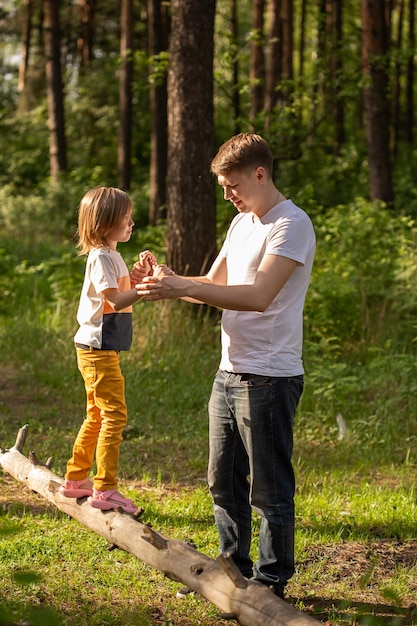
(163, 284)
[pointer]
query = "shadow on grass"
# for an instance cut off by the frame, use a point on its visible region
(372, 614)
(88, 613)
(397, 530)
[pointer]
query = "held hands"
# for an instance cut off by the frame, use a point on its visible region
(163, 284)
(146, 276)
(144, 267)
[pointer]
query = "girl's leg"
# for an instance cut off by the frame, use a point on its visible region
(106, 417)
(109, 398)
(85, 444)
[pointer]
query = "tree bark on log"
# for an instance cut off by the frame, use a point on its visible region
(219, 581)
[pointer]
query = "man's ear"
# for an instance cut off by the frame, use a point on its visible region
(260, 175)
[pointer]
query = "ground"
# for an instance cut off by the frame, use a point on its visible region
(369, 568)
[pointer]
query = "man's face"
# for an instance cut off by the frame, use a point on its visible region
(239, 186)
(244, 188)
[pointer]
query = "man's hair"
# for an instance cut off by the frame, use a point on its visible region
(100, 211)
(241, 152)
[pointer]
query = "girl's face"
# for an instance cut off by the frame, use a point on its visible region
(122, 232)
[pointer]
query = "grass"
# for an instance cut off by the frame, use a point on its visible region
(356, 544)
(354, 550)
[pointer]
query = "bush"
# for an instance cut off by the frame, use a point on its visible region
(362, 284)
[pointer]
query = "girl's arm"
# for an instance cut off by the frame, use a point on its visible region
(121, 299)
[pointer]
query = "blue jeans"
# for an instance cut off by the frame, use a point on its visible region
(251, 421)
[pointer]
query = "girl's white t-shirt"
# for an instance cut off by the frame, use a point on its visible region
(101, 326)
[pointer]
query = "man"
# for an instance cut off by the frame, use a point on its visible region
(260, 279)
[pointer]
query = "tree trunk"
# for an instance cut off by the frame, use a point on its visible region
(301, 50)
(287, 20)
(409, 107)
(274, 65)
(377, 118)
(125, 94)
(257, 60)
(158, 42)
(191, 224)
(87, 9)
(27, 10)
(301, 56)
(397, 81)
(57, 140)
(336, 66)
(219, 581)
(318, 65)
(234, 29)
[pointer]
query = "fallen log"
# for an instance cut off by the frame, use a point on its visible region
(217, 580)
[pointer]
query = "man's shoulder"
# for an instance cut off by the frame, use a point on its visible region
(288, 210)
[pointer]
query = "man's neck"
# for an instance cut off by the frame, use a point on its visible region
(272, 198)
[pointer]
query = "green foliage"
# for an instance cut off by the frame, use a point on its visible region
(363, 276)
(24, 157)
(405, 184)
(158, 65)
(319, 180)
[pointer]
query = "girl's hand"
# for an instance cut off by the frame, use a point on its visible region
(148, 261)
(144, 267)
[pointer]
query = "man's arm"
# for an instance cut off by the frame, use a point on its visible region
(272, 274)
(217, 274)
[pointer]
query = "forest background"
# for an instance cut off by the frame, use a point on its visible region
(140, 95)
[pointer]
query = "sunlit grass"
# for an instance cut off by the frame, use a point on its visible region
(355, 456)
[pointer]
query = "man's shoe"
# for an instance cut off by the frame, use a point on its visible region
(183, 592)
(276, 588)
(278, 591)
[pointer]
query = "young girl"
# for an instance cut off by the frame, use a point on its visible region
(105, 319)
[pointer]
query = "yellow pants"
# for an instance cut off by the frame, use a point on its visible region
(106, 416)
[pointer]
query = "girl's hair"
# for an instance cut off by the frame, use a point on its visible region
(100, 211)
(243, 151)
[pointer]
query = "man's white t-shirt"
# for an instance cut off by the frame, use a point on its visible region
(268, 343)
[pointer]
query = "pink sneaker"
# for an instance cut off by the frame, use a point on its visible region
(76, 488)
(111, 499)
